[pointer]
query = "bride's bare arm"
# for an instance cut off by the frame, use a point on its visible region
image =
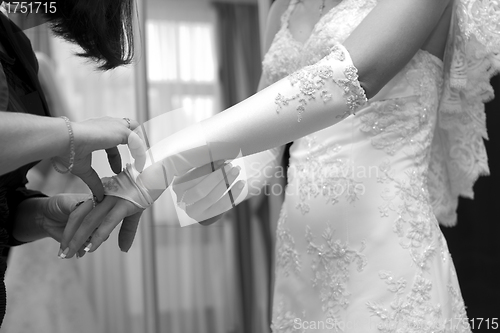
(387, 39)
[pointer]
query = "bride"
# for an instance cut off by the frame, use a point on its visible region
(383, 100)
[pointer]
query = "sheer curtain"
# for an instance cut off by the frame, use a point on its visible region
(195, 265)
(239, 45)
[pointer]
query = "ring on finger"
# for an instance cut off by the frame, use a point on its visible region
(128, 122)
(95, 202)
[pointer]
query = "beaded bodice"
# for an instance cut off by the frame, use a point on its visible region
(287, 55)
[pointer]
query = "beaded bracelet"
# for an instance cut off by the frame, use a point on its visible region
(71, 149)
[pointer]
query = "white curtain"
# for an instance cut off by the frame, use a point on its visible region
(195, 265)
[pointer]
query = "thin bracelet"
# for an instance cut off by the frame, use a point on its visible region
(71, 149)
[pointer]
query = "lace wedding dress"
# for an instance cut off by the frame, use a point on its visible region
(359, 247)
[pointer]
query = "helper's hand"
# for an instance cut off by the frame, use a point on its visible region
(103, 133)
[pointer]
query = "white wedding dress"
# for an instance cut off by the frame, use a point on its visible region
(359, 247)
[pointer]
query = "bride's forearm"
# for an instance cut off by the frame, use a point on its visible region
(283, 112)
(261, 168)
(307, 101)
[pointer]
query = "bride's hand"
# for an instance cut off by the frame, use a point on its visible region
(41, 217)
(102, 133)
(203, 196)
(96, 226)
(202, 191)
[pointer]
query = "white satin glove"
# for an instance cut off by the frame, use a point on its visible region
(205, 199)
(125, 185)
(307, 101)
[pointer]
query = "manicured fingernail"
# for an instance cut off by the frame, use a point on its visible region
(77, 255)
(63, 254)
(88, 247)
(241, 184)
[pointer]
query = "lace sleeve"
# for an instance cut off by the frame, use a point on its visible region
(471, 59)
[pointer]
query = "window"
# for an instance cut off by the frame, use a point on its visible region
(181, 74)
(182, 67)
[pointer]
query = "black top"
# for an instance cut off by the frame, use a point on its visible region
(20, 91)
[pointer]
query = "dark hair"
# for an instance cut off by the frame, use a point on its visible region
(102, 28)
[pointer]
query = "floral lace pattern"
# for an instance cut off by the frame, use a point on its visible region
(410, 313)
(479, 18)
(287, 258)
(402, 123)
(415, 223)
(458, 152)
(313, 79)
(326, 174)
(330, 265)
(287, 55)
(284, 321)
(413, 311)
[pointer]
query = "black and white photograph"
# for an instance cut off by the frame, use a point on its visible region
(249, 166)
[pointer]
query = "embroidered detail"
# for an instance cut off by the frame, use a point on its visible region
(282, 101)
(310, 80)
(331, 264)
(110, 184)
(287, 55)
(459, 321)
(415, 312)
(407, 123)
(395, 125)
(287, 258)
(284, 321)
(394, 286)
(313, 79)
(337, 53)
(353, 92)
(415, 223)
(411, 313)
(323, 173)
